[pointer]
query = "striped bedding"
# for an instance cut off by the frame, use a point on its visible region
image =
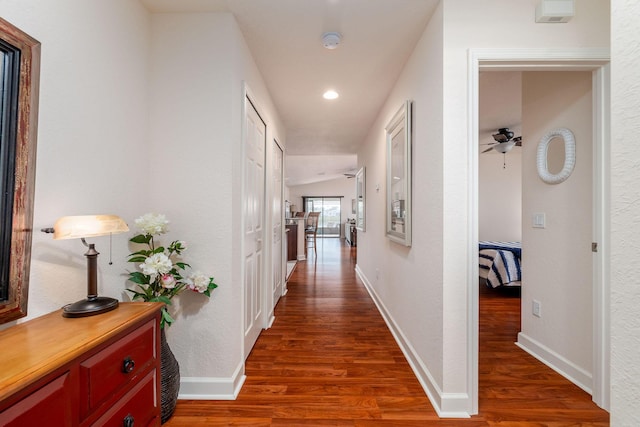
(500, 263)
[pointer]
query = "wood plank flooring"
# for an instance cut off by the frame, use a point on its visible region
(330, 360)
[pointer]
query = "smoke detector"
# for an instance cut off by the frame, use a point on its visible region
(331, 40)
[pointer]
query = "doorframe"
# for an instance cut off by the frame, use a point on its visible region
(270, 301)
(579, 59)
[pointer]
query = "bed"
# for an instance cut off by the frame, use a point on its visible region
(500, 263)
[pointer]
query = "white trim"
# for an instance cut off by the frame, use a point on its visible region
(555, 361)
(595, 60)
(209, 388)
(601, 233)
(283, 222)
(446, 405)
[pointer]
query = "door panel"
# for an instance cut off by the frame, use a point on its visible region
(255, 133)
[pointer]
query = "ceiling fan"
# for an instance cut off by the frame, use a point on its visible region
(504, 141)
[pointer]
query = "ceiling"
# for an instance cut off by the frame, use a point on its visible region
(285, 39)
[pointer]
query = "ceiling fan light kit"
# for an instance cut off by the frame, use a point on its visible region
(503, 135)
(504, 147)
(504, 142)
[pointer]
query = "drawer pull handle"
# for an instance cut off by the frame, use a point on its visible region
(128, 421)
(127, 365)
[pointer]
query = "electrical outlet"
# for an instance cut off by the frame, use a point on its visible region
(536, 308)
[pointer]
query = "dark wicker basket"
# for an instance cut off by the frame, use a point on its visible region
(169, 379)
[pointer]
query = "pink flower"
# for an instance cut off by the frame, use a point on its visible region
(168, 281)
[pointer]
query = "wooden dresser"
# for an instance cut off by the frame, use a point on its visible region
(101, 370)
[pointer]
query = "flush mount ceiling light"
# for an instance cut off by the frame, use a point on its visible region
(330, 94)
(331, 40)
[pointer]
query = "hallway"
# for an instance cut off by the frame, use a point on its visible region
(330, 360)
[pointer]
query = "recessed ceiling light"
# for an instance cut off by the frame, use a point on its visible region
(330, 94)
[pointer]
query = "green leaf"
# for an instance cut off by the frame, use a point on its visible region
(141, 238)
(144, 252)
(136, 295)
(182, 265)
(164, 299)
(137, 259)
(166, 317)
(139, 278)
(158, 250)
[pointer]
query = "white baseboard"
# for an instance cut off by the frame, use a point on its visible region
(558, 363)
(446, 405)
(210, 388)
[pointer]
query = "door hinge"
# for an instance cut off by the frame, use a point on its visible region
(594, 246)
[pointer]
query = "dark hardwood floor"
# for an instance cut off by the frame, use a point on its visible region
(330, 360)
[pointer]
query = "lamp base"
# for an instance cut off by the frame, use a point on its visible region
(89, 307)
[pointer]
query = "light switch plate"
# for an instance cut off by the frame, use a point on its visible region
(539, 220)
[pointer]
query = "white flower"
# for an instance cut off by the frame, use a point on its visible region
(168, 281)
(152, 223)
(156, 264)
(198, 282)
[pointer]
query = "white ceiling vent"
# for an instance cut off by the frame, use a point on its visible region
(331, 40)
(555, 11)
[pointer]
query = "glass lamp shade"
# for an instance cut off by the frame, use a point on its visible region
(79, 227)
(76, 227)
(504, 147)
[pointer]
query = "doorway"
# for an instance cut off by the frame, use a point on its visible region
(330, 214)
(596, 62)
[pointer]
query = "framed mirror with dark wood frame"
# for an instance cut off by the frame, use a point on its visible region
(19, 88)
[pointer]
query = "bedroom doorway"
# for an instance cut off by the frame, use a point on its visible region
(593, 377)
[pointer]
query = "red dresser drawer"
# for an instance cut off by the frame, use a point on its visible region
(50, 405)
(112, 368)
(139, 404)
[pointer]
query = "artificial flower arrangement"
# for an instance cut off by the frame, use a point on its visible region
(163, 274)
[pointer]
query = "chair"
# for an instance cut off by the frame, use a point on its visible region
(310, 232)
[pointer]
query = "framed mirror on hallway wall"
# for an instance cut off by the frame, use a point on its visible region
(360, 200)
(398, 135)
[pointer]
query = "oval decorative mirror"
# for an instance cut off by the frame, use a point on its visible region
(569, 156)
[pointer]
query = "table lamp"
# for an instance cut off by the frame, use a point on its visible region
(80, 227)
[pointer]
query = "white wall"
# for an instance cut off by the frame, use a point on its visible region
(625, 228)
(424, 288)
(557, 260)
(500, 176)
(190, 131)
(500, 196)
(92, 136)
(336, 187)
(408, 281)
(200, 63)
